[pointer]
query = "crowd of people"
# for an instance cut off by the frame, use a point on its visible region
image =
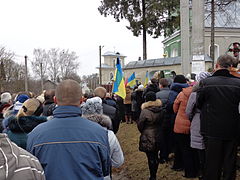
(62, 134)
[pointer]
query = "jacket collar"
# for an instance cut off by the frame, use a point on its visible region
(222, 72)
(67, 111)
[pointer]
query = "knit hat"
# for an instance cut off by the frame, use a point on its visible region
(140, 86)
(202, 75)
(22, 98)
(151, 96)
(30, 107)
(180, 79)
(5, 97)
(100, 92)
(92, 106)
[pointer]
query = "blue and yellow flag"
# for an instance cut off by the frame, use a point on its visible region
(146, 79)
(131, 80)
(118, 85)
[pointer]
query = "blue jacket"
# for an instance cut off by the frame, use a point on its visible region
(71, 147)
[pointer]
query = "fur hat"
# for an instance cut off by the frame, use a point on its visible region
(202, 75)
(100, 92)
(30, 107)
(92, 106)
(22, 98)
(151, 96)
(101, 119)
(5, 97)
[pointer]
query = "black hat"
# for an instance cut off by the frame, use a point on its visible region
(151, 96)
(180, 79)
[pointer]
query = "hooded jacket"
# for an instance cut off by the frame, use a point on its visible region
(20, 127)
(149, 126)
(18, 164)
(182, 123)
(81, 146)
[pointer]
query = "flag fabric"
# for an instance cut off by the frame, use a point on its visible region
(146, 79)
(118, 85)
(131, 80)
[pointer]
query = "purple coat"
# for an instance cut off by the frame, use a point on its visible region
(193, 114)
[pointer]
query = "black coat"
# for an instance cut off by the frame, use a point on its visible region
(149, 126)
(218, 99)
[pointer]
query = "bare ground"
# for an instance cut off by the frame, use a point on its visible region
(135, 165)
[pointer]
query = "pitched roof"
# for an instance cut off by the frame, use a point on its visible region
(158, 62)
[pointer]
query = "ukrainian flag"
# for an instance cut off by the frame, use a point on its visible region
(146, 79)
(118, 85)
(131, 80)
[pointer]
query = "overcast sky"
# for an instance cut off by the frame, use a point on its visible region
(71, 24)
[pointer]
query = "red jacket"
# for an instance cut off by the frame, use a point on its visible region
(182, 123)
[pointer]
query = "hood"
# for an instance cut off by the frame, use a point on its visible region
(178, 87)
(187, 91)
(25, 123)
(152, 104)
(101, 119)
(8, 156)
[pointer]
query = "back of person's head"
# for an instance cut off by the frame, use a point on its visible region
(49, 94)
(202, 75)
(6, 97)
(180, 79)
(30, 107)
(226, 61)
(154, 80)
(163, 82)
(22, 98)
(151, 96)
(235, 62)
(68, 93)
(92, 106)
(100, 92)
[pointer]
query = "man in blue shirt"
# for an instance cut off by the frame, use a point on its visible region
(69, 146)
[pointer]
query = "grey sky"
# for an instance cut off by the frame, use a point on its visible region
(72, 24)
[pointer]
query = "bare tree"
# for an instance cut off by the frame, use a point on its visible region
(54, 64)
(68, 63)
(39, 63)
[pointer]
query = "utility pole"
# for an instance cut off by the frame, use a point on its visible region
(144, 30)
(198, 50)
(26, 74)
(41, 71)
(100, 64)
(185, 34)
(212, 47)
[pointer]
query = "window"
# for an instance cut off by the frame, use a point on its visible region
(216, 51)
(174, 52)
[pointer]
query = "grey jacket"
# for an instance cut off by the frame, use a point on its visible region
(163, 95)
(193, 114)
(16, 163)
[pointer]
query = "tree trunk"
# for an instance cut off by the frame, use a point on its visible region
(144, 31)
(212, 32)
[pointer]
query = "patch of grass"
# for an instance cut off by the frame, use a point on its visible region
(135, 166)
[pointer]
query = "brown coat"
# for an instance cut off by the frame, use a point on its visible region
(182, 123)
(149, 126)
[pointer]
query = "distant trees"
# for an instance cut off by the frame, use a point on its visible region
(55, 64)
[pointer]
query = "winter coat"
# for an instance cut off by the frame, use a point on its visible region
(193, 113)
(111, 102)
(46, 106)
(113, 113)
(127, 99)
(71, 147)
(163, 95)
(18, 164)
(218, 100)
(149, 124)
(182, 123)
(19, 128)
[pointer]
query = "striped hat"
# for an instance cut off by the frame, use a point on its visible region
(202, 75)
